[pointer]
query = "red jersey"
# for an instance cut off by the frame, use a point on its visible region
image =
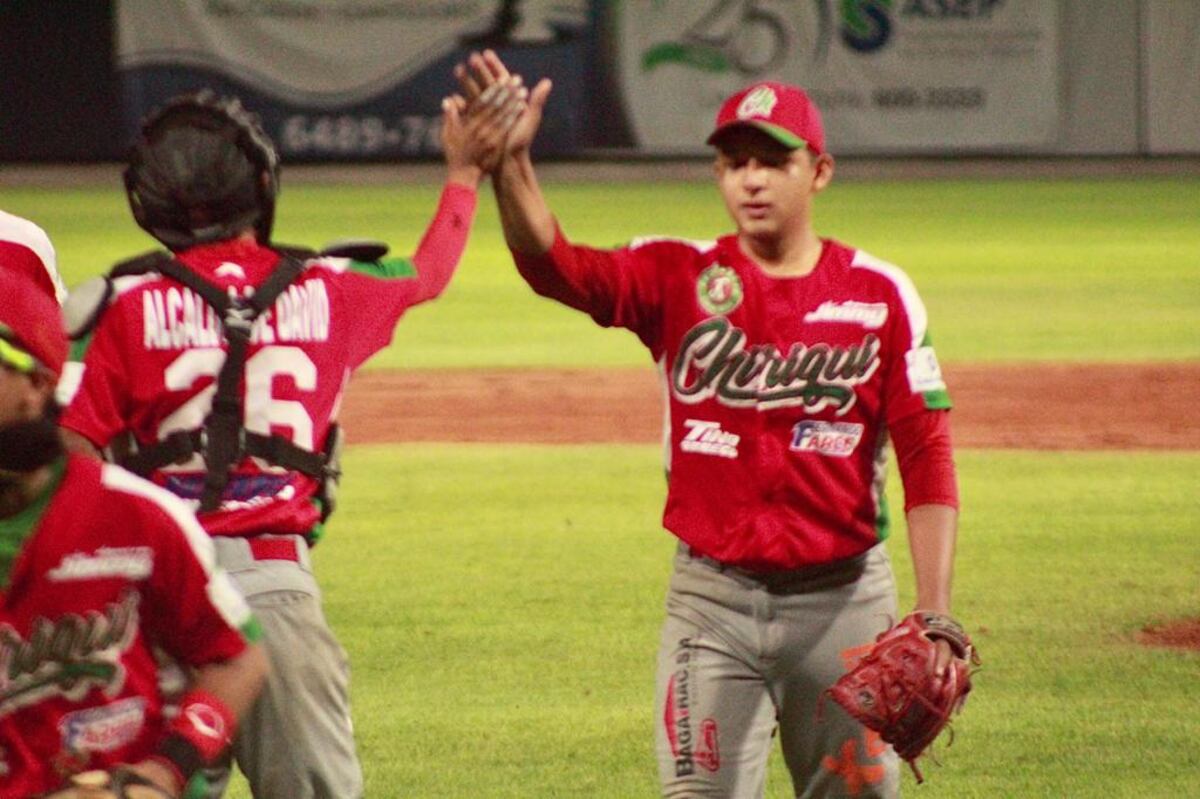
(109, 569)
(152, 362)
(780, 389)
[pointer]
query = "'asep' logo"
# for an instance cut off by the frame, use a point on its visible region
(866, 25)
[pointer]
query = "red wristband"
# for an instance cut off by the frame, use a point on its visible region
(199, 734)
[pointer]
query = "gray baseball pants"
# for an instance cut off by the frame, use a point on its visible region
(744, 656)
(297, 741)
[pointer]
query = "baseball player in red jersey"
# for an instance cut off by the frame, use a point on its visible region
(789, 361)
(99, 569)
(231, 399)
(26, 249)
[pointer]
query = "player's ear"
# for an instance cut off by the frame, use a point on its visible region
(822, 171)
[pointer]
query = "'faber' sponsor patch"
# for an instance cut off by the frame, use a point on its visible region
(707, 438)
(870, 315)
(834, 439)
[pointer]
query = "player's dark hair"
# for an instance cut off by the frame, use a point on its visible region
(202, 169)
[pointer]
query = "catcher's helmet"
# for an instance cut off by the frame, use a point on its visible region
(202, 170)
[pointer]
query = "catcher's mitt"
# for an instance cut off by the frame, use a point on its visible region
(895, 690)
(120, 783)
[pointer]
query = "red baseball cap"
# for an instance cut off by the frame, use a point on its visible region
(25, 248)
(31, 324)
(783, 112)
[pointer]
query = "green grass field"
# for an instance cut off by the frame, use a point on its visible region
(501, 604)
(1010, 270)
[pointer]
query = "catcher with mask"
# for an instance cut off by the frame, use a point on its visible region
(216, 367)
(100, 570)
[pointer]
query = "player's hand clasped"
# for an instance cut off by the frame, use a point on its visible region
(482, 73)
(474, 133)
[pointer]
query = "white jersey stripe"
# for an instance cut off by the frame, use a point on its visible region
(914, 309)
(27, 234)
(664, 383)
(696, 244)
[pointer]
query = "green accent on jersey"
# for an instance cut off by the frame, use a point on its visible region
(318, 529)
(883, 519)
(386, 267)
(252, 630)
(935, 400)
(79, 348)
(16, 529)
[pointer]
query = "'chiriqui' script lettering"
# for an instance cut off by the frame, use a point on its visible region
(68, 655)
(714, 361)
(178, 318)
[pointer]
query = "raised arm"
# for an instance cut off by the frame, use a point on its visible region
(529, 226)
(472, 144)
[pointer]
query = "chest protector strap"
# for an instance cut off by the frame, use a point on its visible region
(223, 440)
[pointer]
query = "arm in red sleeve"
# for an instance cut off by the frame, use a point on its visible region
(442, 246)
(617, 288)
(922, 443)
(926, 459)
(556, 274)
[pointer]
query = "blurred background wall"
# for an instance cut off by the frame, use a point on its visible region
(361, 80)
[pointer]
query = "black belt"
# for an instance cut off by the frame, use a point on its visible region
(805, 579)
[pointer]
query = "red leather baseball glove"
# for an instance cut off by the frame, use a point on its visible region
(895, 689)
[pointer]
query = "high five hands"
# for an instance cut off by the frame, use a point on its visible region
(474, 132)
(481, 75)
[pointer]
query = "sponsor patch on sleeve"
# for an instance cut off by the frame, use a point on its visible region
(924, 372)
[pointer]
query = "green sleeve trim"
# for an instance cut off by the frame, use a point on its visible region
(385, 268)
(79, 348)
(252, 630)
(937, 400)
(883, 519)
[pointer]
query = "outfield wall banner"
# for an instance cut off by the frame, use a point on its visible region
(889, 75)
(345, 79)
(1172, 76)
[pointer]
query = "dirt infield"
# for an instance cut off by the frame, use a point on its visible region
(1179, 634)
(1033, 407)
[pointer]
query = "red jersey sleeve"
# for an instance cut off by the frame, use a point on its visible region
(617, 288)
(378, 294)
(926, 459)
